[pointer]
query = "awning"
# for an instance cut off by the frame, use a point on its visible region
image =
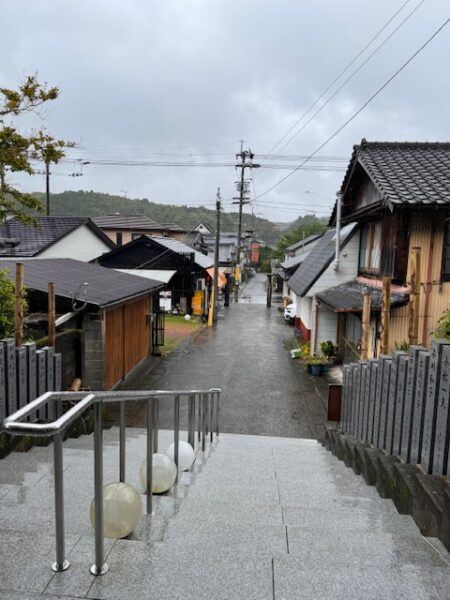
(222, 279)
(157, 274)
(348, 297)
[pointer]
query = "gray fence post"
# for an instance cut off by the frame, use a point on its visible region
(374, 373)
(419, 406)
(431, 403)
(441, 464)
(402, 370)
(10, 375)
(408, 412)
(392, 403)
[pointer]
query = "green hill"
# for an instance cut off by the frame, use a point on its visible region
(93, 204)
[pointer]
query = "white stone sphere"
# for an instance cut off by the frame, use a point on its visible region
(187, 317)
(186, 455)
(164, 473)
(122, 509)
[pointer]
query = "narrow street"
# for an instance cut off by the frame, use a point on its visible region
(265, 392)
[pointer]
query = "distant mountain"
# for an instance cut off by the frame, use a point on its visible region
(93, 204)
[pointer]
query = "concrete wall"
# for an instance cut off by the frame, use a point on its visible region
(81, 244)
(93, 355)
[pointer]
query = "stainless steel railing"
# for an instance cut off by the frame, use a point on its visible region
(203, 409)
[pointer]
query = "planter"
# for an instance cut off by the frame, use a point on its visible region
(325, 368)
(309, 369)
(316, 370)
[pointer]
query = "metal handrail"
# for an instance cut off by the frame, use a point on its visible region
(207, 419)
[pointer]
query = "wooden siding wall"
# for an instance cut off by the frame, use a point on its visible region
(439, 293)
(367, 194)
(127, 339)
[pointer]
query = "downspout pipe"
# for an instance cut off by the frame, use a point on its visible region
(338, 230)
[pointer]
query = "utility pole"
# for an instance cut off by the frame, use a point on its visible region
(47, 185)
(243, 186)
(216, 253)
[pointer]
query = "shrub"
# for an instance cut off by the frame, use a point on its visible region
(443, 326)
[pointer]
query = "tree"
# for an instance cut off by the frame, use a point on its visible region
(303, 228)
(18, 150)
(7, 304)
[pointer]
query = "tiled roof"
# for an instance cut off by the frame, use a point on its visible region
(105, 286)
(33, 240)
(405, 172)
(349, 297)
(293, 261)
(304, 242)
(318, 259)
(139, 222)
(174, 227)
(176, 246)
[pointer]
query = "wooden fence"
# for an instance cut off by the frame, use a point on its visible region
(401, 404)
(25, 374)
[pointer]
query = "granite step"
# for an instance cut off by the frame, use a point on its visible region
(255, 517)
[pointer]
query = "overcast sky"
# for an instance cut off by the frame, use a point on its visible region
(151, 80)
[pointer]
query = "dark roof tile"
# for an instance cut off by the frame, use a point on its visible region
(105, 286)
(50, 229)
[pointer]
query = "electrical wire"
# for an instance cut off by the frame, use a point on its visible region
(351, 76)
(366, 103)
(336, 79)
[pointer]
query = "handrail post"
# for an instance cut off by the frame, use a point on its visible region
(211, 416)
(150, 448)
(122, 441)
(191, 409)
(60, 564)
(199, 416)
(155, 423)
(204, 401)
(217, 394)
(176, 430)
(99, 567)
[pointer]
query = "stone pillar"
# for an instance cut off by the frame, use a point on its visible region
(408, 412)
(93, 356)
(431, 406)
(419, 407)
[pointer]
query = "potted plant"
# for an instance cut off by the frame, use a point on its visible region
(315, 364)
(328, 350)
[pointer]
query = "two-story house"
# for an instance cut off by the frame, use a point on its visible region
(399, 194)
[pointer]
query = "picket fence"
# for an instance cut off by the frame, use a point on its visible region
(401, 404)
(25, 374)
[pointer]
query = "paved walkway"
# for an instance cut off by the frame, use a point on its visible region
(265, 392)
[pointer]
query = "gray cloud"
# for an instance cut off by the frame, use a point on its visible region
(189, 77)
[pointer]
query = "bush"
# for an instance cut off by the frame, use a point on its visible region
(443, 326)
(7, 305)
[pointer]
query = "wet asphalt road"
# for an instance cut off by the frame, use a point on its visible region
(265, 392)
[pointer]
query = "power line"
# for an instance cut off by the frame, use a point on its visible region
(352, 75)
(355, 114)
(336, 79)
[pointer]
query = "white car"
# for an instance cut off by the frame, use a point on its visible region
(289, 313)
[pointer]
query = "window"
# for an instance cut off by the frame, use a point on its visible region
(446, 254)
(119, 238)
(370, 248)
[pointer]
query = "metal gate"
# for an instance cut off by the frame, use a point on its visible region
(158, 329)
